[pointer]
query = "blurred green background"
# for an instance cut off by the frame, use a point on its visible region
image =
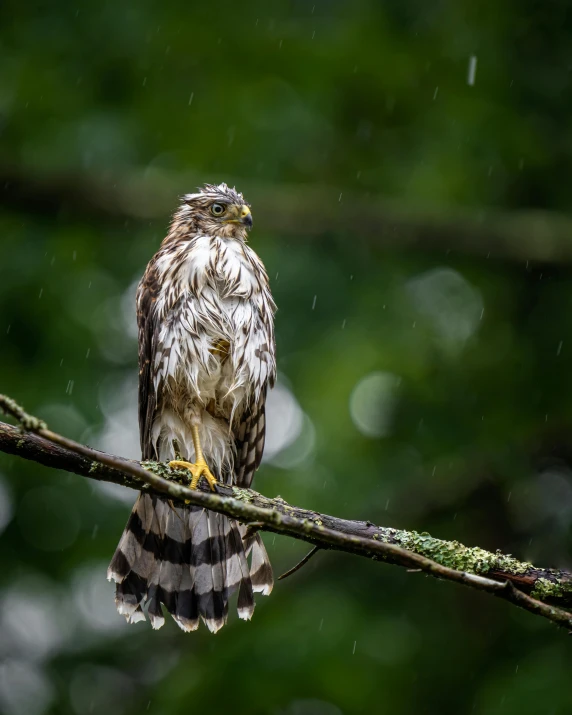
(408, 165)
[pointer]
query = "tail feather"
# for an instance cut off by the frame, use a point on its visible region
(164, 580)
(188, 559)
(261, 575)
(186, 614)
(129, 553)
(210, 582)
(130, 544)
(246, 603)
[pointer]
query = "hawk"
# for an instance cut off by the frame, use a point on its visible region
(206, 359)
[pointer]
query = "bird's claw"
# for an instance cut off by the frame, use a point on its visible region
(198, 469)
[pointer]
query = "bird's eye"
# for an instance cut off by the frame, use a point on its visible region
(217, 209)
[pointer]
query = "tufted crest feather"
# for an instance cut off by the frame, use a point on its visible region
(213, 192)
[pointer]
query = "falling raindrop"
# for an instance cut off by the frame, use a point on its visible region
(472, 71)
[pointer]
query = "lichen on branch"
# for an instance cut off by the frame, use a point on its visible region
(544, 592)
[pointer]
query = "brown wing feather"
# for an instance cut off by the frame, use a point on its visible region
(251, 433)
(250, 443)
(147, 292)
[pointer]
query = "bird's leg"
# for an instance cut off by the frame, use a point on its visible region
(176, 448)
(199, 468)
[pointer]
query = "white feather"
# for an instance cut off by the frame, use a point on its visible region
(220, 292)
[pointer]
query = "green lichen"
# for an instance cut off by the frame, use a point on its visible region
(33, 424)
(95, 467)
(282, 504)
(308, 526)
(242, 495)
(544, 589)
(21, 443)
(28, 423)
(162, 469)
(455, 555)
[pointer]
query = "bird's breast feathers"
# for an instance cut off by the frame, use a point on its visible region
(214, 292)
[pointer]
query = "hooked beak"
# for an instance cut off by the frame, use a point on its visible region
(246, 216)
(241, 216)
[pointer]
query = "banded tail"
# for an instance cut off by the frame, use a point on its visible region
(190, 560)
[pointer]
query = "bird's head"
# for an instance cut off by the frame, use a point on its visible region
(217, 211)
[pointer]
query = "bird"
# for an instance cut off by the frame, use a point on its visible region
(207, 358)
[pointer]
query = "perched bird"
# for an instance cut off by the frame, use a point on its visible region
(206, 359)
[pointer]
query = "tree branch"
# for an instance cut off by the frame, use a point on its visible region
(300, 563)
(534, 589)
(301, 212)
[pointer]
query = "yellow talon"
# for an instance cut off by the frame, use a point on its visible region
(198, 469)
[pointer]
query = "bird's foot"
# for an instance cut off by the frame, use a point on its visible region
(198, 469)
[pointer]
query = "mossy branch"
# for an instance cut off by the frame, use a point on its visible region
(545, 592)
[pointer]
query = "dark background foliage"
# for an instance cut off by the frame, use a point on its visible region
(421, 386)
